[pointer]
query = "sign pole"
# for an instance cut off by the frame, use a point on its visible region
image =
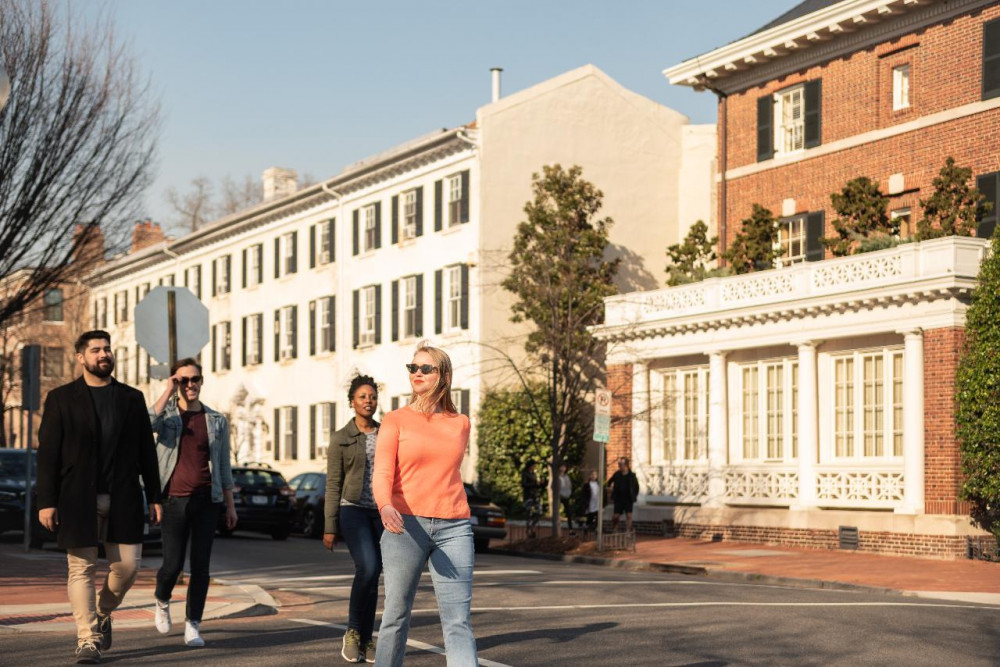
(602, 434)
(600, 504)
(28, 474)
(172, 327)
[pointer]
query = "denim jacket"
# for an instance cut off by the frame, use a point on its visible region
(167, 428)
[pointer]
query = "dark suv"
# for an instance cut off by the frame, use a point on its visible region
(310, 499)
(264, 502)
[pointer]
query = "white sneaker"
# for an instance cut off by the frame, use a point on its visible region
(191, 635)
(163, 616)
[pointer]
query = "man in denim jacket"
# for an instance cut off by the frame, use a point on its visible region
(196, 479)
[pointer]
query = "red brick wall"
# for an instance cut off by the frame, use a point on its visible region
(857, 98)
(620, 385)
(942, 458)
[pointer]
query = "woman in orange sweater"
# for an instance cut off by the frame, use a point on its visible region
(423, 506)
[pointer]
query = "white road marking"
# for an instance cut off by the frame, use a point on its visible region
(347, 577)
(647, 605)
(430, 648)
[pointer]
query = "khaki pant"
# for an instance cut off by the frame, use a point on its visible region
(123, 560)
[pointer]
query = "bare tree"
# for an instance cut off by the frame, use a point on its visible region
(195, 208)
(238, 197)
(77, 141)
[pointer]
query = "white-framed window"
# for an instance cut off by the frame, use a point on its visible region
(102, 313)
(367, 316)
(254, 339)
(901, 87)
(121, 306)
(167, 280)
(454, 200)
(324, 324)
(287, 332)
(792, 238)
(140, 292)
(192, 279)
(680, 420)
(410, 312)
(222, 352)
(368, 222)
(768, 402)
(410, 214)
(53, 311)
(223, 274)
(121, 364)
(287, 243)
(53, 362)
(867, 409)
(255, 268)
(324, 430)
(324, 239)
(905, 218)
(453, 318)
(287, 434)
(141, 365)
(789, 120)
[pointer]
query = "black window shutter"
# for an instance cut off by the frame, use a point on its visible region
(464, 407)
(991, 59)
(813, 99)
(765, 128)
(312, 247)
(312, 431)
(244, 342)
(378, 224)
(465, 297)
(259, 323)
(395, 310)
(419, 328)
(438, 205)
(277, 334)
(115, 307)
(294, 416)
(438, 296)
(260, 262)
(987, 185)
(277, 257)
(295, 332)
(815, 229)
(215, 276)
(295, 253)
(378, 314)
(465, 197)
(277, 434)
(357, 319)
(213, 344)
(355, 235)
(312, 328)
(331, 316)
(395, 219)
(331, 230)
(420, 211)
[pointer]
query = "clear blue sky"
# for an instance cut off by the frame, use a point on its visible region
(316, 84)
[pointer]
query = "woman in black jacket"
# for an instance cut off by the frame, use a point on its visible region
(351, 514)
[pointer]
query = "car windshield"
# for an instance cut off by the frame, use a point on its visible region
(258, 478)
(12, 464)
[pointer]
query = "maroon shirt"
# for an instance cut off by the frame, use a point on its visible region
(192, 473)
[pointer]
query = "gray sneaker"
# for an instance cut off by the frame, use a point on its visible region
(104, 627)
(369, 651)
(352, 646)
(87, 653)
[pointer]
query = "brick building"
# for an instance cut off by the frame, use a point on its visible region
(790, 404)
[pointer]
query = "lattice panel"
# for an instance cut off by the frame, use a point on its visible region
(762, 485)
(859, 271)
(675, 481)
(768, 284)
(675, 299)
(860, 486)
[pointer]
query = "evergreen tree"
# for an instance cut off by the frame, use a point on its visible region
(690, 260)
(861, 208)
(954, 206)
(756, 245)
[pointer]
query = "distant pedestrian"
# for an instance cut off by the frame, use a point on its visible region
(624, 492)
(566, 496)
(351, 514)
(94, 444)
(590, 500)
(192, 445)
(531, 493)
(425, 510)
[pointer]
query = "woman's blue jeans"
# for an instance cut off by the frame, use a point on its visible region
(446, 544)
(361, 528)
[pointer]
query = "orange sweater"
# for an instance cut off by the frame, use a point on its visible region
(417, 460)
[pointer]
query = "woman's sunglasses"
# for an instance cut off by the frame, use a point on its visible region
(426, 369)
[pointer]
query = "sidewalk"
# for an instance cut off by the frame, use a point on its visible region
(33, 595)
(965, 580)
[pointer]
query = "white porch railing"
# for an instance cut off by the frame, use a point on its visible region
(763, 485)
(867, 487)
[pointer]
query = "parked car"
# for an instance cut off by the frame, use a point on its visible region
(264, 502)
(488, 521)
(310, 496)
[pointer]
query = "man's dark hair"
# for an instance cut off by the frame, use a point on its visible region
(87, 336)
(360, 381)
(624, 460)
(181, 363)
(529, 463)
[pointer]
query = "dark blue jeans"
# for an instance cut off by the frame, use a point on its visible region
(188, 518)
(361, 528)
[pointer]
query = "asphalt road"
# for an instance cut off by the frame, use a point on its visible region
(535, 612)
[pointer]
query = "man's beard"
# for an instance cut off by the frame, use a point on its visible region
(101, 371)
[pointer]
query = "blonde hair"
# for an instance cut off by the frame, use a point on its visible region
(440, 395)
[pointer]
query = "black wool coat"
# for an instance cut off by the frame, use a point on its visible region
(69, 459)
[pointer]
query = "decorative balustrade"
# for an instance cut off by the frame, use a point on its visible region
(868, 488)
(765, 485)
(680, 483)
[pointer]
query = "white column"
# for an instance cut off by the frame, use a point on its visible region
(913, 422)
(718, 428)
(808, 425)
(640, 414)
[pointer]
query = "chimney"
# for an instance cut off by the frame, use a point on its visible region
(89, 241)
(279, 182)
(496, 82)
(146, 233)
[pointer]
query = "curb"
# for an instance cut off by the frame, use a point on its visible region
(699, 571)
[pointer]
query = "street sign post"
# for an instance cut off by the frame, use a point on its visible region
(31, 400)
(602, 433)
(171, 323)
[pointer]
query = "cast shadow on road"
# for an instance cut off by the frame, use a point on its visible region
(557, 635)
(236, 640)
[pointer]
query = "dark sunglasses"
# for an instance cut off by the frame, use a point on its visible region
(194, 379)
(426, 369)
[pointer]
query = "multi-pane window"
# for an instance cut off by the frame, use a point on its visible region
(286, 433)
(140, 292)
(141, 365)
(222, 358)
(368, 314)
(53, 362)
(255, 265)
(368, 219)
(410, 312)
(867, 409)
(904, 217)
(410, 214)
(454, 200)
(53, 305)
(192, 279)
(252, 339)
(323, 430)
(287, 260)
(222, 274)
(121, 364)
(792, 238)
(324, 233)
(900, 87)
(768, 410)
(681, 400)
(102, 313)
(167, 280)
(121, 306)
(454, 306)
(286, 334)
(324, 324)
(790, 120)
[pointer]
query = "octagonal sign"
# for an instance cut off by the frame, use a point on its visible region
(153, 323)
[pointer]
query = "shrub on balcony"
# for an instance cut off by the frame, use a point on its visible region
(756, 245)
(954, 205)
(862, 224)
(691, 260)
(977, 388)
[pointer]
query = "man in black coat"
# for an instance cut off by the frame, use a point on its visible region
(94, 442)
(624, 492)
